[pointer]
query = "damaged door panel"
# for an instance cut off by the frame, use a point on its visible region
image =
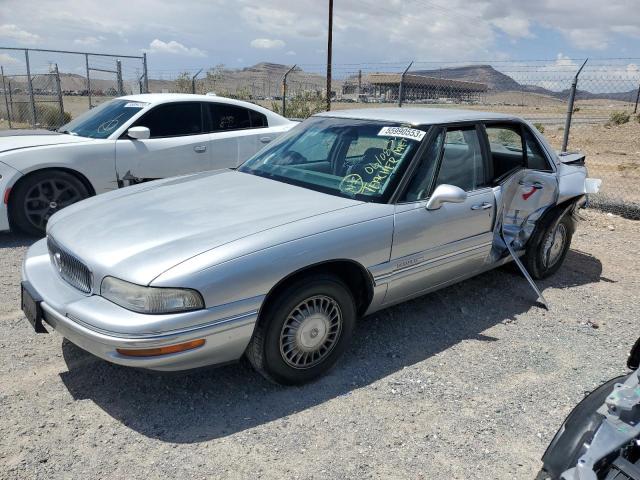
(525, 197)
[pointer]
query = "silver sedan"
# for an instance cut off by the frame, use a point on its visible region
(347, 214)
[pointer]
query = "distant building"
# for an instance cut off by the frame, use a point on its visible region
(386, 87)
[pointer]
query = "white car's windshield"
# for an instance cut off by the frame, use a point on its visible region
(359, 159)
(102, 121)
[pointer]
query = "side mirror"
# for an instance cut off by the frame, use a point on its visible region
(446, 194)
(139, 133)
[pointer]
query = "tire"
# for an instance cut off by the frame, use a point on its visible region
(549, 246)
(303, 331)
(39, 195)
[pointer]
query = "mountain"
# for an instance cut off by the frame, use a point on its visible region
(486, 74)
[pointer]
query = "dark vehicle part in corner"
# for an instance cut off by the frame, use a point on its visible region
(600, 439)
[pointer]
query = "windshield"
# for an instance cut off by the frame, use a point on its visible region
(359, 159)
(102, 121)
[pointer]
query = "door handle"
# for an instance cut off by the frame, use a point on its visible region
(482, 206)
(265, 139)
(536, 185)
(200, 148)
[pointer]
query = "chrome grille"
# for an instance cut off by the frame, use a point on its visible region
(72, 270)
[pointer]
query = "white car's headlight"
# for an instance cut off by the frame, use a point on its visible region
(150, 299)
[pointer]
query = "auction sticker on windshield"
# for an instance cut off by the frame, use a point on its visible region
(136, 105)
(402, 132)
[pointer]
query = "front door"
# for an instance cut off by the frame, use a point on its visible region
(178, 145)
(433, 247)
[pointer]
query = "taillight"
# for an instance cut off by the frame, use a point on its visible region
(7, 192)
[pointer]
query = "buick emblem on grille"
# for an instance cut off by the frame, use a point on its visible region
(58, 261)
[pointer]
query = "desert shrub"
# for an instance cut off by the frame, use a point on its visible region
(618, 118)
(47, 115)
(302, 105)
(539, 126)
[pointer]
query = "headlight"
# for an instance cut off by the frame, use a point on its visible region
(150, 299)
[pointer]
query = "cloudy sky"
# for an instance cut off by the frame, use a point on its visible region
(189, 34)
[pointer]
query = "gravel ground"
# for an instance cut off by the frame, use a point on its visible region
(468, 382)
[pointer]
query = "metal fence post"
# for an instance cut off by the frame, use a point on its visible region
(119, 78)
(635, 109)
(86, 62)
(32, 99)
(284, 91)
(145, 73)
(10, 98)
(6, 100)
(401, 86)
(572, 97)
(193, 81)
(59, 88)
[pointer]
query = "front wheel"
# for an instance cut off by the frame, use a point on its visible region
(549, 247)
(303, 331)
(40, 195)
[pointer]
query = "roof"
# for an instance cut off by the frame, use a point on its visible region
(155, 98)
(424, 81)
(418, 115)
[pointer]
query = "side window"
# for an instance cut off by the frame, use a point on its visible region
(462, 164)
(228, 117)
(418, 188)
(258, 120)
(505, 142)
(536, 159)
(173, 120)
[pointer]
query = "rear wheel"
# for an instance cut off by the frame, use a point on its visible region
(549, 247)
(303, 331)
(40, 195)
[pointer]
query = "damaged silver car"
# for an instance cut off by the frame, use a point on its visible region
(348, 213)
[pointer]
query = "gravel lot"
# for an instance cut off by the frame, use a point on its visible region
(469, 382)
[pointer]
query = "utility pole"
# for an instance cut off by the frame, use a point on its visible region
(329, 48)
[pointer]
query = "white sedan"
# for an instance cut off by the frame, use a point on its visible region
(122, 142)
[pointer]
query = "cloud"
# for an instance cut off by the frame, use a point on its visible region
(588, 38)
(290, 53)
(89, 41)
(514, 27)
(16, 33)
(176, 48)
(267, 43)
(6, 59)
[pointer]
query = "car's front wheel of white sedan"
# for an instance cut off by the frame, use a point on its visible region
(303, 330)
(41, 194)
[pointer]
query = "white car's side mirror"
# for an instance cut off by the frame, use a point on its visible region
(446, 194)
(139, 133)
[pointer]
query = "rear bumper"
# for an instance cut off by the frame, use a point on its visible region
(71, 313)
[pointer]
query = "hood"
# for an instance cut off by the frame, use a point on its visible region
(19, 139)
(137, 235)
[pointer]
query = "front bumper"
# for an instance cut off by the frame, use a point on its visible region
(226, 329)
(8, 177)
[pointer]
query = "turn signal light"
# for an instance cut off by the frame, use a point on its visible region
(154, 352)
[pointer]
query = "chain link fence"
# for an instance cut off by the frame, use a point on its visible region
(604, 113)
(46, 88)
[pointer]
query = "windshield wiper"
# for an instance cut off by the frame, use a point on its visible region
(68, 132)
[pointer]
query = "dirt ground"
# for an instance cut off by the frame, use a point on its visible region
(469, 382)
